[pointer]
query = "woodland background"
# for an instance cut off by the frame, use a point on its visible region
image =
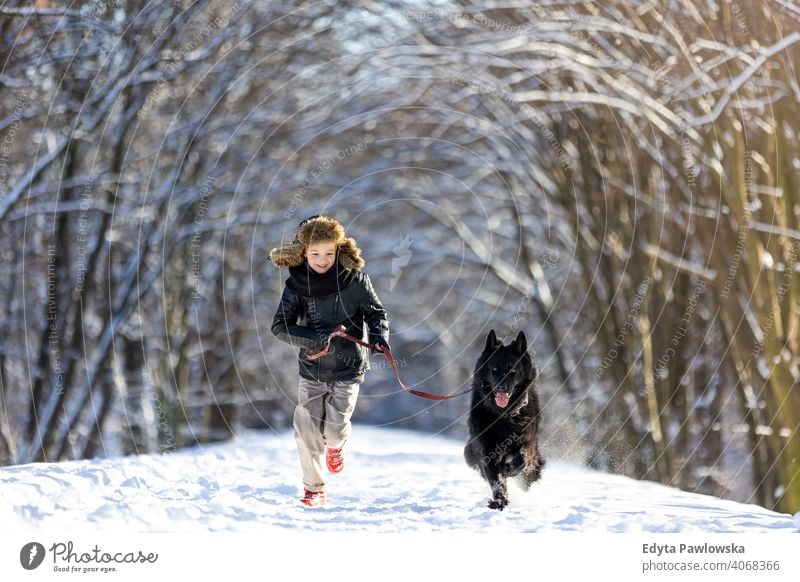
(617, 179)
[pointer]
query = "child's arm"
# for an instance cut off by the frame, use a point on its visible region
(375, 314)
(285, 328)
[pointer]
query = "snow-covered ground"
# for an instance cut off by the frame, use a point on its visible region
(394, 481)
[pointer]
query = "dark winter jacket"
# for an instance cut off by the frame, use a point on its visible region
(304, 320)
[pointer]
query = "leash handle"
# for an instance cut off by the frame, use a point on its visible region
(341, 331)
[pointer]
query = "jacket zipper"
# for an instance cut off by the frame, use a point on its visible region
(316, 310)
(335, 318)
(335, 309)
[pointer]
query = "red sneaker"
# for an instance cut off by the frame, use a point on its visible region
(313, 498)
(334, 460)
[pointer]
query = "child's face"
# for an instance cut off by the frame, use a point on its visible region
(321, 256)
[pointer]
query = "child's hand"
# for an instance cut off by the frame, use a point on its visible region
(380, 345)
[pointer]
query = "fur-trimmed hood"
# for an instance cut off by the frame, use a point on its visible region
(316, 230)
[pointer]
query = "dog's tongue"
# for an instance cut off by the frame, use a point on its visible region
(501, 399)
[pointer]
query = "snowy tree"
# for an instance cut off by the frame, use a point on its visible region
(616, 179)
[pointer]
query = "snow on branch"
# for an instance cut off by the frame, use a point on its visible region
(737, 83)
(679, 263)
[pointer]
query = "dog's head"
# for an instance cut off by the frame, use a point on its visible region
(505, 371)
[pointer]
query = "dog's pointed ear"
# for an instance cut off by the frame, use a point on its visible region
(491, 341)
(521, 343)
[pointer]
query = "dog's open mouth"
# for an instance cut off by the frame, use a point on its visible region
(501, 399)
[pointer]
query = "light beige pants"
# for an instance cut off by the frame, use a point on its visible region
(322, 418)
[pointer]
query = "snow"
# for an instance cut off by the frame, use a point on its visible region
(394, 481)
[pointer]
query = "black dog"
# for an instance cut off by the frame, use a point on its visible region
(504, 418)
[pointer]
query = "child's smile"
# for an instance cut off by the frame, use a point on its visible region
(321, 256)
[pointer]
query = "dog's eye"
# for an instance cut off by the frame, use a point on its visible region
(513, 370)
(495, 369)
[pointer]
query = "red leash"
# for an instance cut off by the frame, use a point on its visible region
(340, 332)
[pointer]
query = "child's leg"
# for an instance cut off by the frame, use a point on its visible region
(308, 418)
(339, 407)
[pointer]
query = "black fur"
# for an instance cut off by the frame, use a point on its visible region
(503, 442)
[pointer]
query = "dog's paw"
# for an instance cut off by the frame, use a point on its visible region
(498, 504)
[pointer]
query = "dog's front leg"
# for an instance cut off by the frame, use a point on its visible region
(497, 481)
